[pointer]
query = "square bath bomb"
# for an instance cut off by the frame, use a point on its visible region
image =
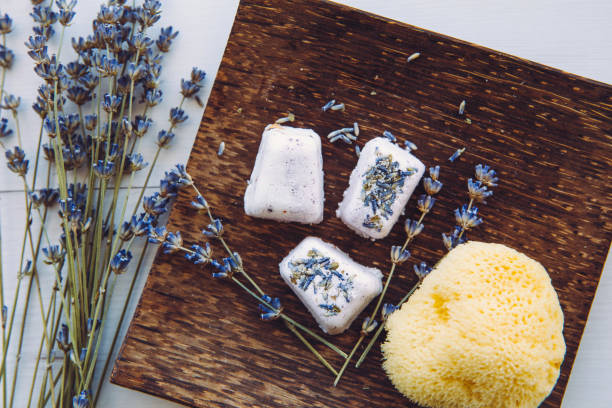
(379, 188)
(287, 180)
(333, 287)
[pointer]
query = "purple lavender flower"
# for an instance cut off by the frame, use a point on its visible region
(398, 255)
(120, 261)
(271, 310)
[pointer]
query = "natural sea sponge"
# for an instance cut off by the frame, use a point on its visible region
(485, 329)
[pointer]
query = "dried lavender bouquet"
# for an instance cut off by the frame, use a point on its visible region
(94, 114)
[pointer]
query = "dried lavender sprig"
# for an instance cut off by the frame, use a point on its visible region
(65, 17)
(6, 55)
(164, 137)
(218, 234)
(466, 216)
(386, 314)
(260, 298)
(19, 166)
(311, 348)
(399, 254)
(215, 229)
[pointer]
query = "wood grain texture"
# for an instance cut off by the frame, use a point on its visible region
(199, 342)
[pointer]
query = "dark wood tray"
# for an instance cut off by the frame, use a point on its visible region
(199, 342)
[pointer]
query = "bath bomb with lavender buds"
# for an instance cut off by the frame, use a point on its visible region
(379, 188)
(333, 287)
(485, 329)
(287, 180)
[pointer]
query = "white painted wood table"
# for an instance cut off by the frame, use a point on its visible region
(575, 36)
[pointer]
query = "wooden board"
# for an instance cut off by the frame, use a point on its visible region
(199, 342)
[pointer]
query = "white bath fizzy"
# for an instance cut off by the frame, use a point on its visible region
(333, 287)
(379, 188)
(287, 180)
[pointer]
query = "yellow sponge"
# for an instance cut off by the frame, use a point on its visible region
(485, 329)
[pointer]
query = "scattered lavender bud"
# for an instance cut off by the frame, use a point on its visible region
(338, 107)
(456, 155)
(335, 133)
(356, 128)
(389, 136)
(289, 118)
(328, 105)
(409, 145)
(357, 150)
(221, 149)
(414, 56)
(345, 139)
(462, 107)
(336, 137)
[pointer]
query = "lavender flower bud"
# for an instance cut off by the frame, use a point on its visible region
(173, 242)
(5, 131)
(267, 312)
(165, 39)
(177, 116)
(486, 175)
(6, 57)
(398, 256)
(6, 24)
(11, 102)
(421, 270)
(368, 326)
(120, 261)
(164, 138)
(413, 228)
